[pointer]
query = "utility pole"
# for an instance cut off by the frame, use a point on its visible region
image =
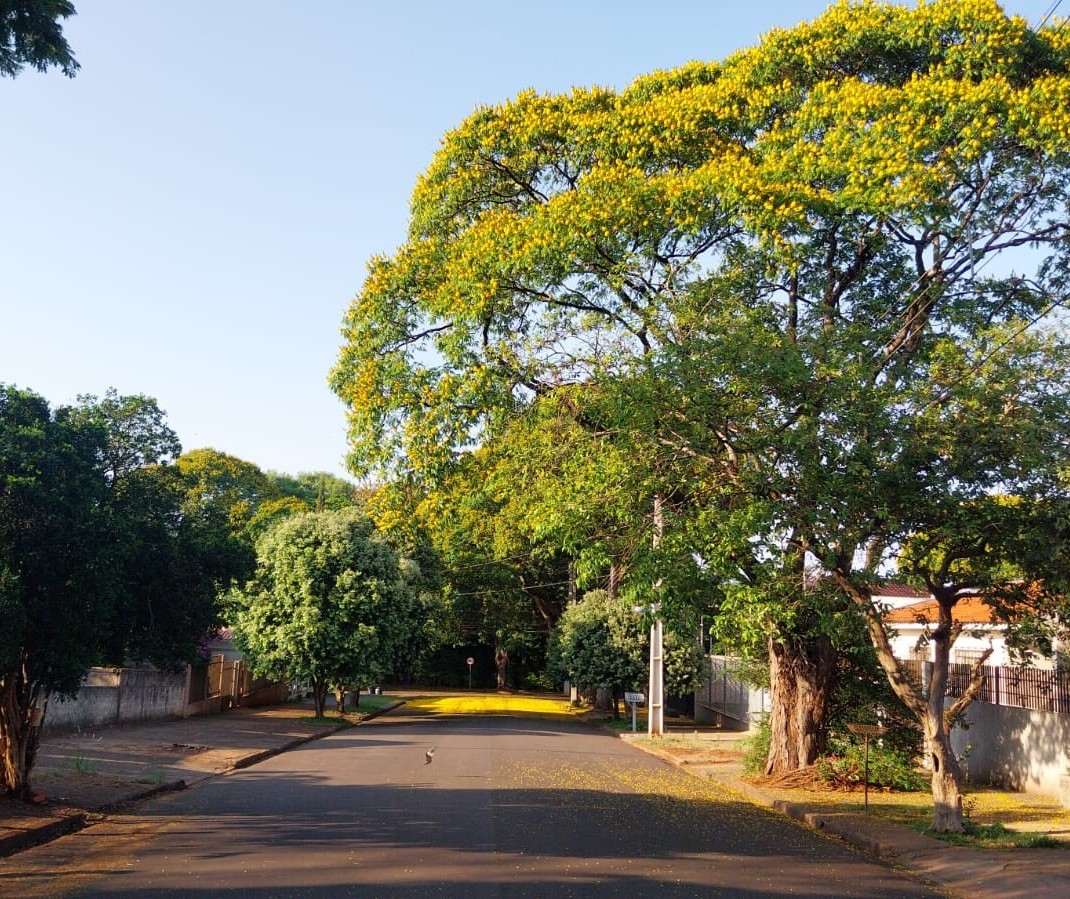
(656, 713)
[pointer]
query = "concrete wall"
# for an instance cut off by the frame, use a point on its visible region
(1019, 749)
(111, 695)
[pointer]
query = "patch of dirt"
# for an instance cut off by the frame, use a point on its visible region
(73, 790)
(802, 779)
(697, 756)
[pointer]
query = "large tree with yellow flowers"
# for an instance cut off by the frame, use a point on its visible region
(819, 277)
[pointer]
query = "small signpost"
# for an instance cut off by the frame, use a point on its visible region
(865, 731)
(634, 700)
(471, 662)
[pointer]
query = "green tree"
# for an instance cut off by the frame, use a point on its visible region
(793, 268)
(232, 501)
(55, 582)
(320, 490)
(30, 34)
(138, 433)
(601, 642)
(328, 603)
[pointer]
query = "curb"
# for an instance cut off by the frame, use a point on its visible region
(46, 833)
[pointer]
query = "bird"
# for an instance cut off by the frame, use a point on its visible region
(430, 755)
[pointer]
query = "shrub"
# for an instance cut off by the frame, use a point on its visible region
(888, 768)
(756, 746)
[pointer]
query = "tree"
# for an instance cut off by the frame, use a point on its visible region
(232, 501)
(55, 581)
(30, 34)
(601, 642)
(138, 434)
(171, 560)
(795, 268)
(500, 590)
(321, 490)
(328, 603)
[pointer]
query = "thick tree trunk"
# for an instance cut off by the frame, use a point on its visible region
(801, 683)
(19, 734)
(340, 699)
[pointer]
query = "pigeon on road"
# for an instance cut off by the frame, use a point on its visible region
(430, 755)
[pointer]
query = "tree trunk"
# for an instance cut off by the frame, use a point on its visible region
(801, 681)
(340, 699)
(19, 737)
(501, 662)
(946, 780)
(319, 696)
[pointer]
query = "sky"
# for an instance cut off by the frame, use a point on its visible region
(190, 216)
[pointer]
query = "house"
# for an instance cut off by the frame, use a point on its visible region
(912, 621)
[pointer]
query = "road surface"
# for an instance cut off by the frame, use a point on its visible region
(507, 807)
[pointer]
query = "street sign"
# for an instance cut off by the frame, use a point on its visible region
(634, 700)
(471, 661)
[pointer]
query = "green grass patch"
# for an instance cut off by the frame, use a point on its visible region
(625, 724)
(990, 836)
(369, 702)
(323, 719)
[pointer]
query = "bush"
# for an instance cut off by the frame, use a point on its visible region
(756, 746)
(888, 768)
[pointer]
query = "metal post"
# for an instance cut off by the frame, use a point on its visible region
(866, 789)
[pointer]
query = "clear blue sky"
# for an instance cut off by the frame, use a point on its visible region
(190, 216)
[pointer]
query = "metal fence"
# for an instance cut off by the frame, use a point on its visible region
(1023, 688)
(726, 693)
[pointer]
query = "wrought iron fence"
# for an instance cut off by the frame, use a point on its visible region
(1024, 688)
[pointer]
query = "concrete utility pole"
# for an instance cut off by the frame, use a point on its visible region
(656, 693)
(656, 715)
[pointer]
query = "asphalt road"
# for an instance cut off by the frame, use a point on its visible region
(508, 807)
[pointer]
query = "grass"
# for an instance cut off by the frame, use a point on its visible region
(83, 765)
(997, 836)
(369, 702)
(995, 819)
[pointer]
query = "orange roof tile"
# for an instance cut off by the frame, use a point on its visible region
(968, 610)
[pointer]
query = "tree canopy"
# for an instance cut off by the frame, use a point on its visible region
(31, 35)
(328, 603)
(818, 280)
(55, 582)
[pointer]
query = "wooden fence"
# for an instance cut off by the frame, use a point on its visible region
(231, 683)
(1023, 688)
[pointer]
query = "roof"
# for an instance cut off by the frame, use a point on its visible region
(903, 590)
(968, 610)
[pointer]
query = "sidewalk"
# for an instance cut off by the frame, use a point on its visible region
(86, 775)
(962, 871)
